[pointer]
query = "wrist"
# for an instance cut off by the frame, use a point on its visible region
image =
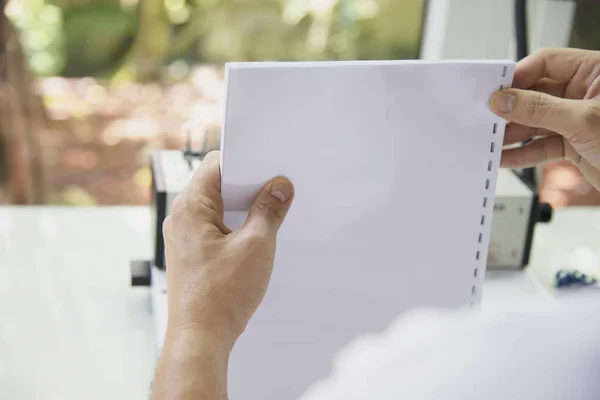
(192, 365)
(200, 338)
(207, 319)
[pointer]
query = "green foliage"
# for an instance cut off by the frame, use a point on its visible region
(40, 28)
(97, 36)
(150, 49)
(135, 42)
(308, 30)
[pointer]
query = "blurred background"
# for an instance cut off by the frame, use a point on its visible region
(89, 88)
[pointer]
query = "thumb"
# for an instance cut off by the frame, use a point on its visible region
(540, 110)
(270, 207)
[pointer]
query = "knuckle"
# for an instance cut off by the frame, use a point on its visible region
(192, 220)
(591, 117)
(204, 202)
(543, 53)
(206, 209)
(201, 206)
(537, 108)
(268, 208)
(209, 216)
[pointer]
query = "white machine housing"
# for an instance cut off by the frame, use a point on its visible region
(517, 209)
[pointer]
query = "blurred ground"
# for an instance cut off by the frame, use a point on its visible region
(100, 138)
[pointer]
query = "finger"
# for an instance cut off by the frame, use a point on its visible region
(207, 178)
(540, 110)
(270, 208)
(556, 64)
(202, 195)
(594, 90)
(551, 87)
(552, 148)
(517, 133)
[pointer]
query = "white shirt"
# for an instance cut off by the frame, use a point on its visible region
(541, 352)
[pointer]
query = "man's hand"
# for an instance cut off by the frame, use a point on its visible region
(216, 278)
(555, 102)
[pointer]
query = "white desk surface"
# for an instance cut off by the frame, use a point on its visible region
(73, 328)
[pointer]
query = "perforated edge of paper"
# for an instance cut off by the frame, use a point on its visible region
(486, 203)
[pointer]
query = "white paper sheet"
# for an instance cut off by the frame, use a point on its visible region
(394, 165)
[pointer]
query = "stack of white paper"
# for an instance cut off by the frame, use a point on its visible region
(394, 165)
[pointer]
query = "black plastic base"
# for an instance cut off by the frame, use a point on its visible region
(140, 273)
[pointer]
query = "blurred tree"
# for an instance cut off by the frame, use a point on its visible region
(40, 30)
(150, 48)
(22, 119)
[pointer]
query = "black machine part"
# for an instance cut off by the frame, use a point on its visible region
(545, 213)
(140, 273)
(528, 174)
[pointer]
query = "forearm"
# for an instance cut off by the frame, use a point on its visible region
(193, 365)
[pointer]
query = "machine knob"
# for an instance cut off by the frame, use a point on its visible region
(545, 212)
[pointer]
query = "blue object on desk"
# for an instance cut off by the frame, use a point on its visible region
(572, 278)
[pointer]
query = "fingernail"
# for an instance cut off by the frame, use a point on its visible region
(504, 101)
(282, 190)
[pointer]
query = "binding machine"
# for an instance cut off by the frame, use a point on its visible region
(517, 210)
